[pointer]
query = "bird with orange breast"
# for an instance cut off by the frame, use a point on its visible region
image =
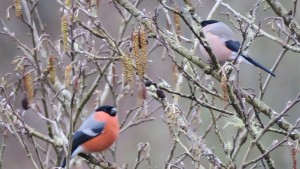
(224, 45)
(97, 133)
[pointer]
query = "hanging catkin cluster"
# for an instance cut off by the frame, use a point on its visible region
(136, 53)
(65, 33)
(294, 157)
(177, 23)
(68, 72)
(224, 80)
(51, 68)
(28, 87)
(127, 69)
(68, 3)
(139, 44)
(18, 8)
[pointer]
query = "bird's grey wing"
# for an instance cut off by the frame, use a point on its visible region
(86, 134)
(88, 122)
(222, 30)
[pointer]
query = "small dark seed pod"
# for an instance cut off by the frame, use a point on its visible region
(148, 83)
(160, 94)
(25, 103)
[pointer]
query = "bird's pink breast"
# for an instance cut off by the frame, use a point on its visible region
(218, 47)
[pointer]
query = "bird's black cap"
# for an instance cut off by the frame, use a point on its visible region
(111, 110)
(208, 22)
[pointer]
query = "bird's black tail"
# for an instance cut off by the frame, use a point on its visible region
(253, 62)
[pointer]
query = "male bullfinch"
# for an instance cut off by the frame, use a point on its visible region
(223, 44)
(97, 133)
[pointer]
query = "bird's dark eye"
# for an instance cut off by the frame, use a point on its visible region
(113, 111)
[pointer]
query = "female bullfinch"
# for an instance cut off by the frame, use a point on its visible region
(223, 44)
(97, 133)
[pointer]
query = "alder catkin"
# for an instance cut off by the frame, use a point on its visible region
(65, 33)
(51, 68)
(18, 8)
(68, 72)
(177, 23)
(224, 88)
(135, 46)
(127, 70)
(28, 87)
(294, 157)
(139, 45)
(143, 44)
(68, 3)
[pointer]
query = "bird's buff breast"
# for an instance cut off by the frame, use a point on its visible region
(218, 47)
